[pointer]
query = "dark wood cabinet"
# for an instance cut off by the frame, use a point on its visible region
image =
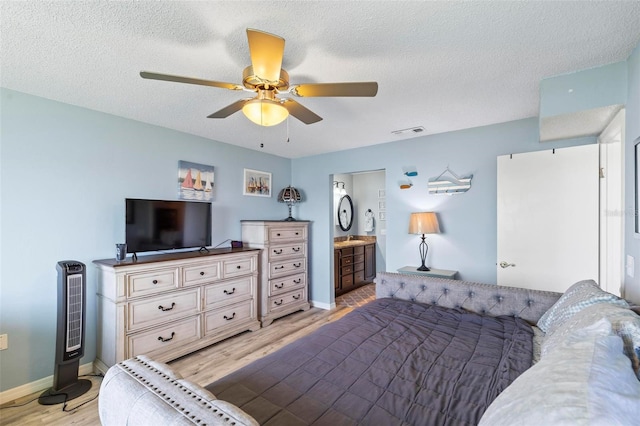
(354, 266)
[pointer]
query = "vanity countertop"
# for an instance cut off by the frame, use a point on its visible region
(342, 242)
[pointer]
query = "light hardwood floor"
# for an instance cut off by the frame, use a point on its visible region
(202, 367)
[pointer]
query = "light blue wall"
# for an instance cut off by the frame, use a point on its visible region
(65, 172)
(591, 88)
(632, 133)
(468, 221)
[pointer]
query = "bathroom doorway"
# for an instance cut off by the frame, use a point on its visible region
(361, 198)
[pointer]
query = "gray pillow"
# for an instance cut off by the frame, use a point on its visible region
(624, 321)
(587, 381)
(577, 297)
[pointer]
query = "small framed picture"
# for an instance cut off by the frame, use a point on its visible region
(381, 193)
(257, 183)
(382, 205)
(382, 216)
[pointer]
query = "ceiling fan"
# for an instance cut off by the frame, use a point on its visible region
(266, 78)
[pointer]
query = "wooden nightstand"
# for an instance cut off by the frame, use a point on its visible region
(437, 273)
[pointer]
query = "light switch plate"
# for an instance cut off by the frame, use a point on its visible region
(630, 266)
(4, 342)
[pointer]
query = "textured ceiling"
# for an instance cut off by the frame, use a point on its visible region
(441, 65)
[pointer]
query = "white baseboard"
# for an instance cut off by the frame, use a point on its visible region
(322, 305)
(37, 386)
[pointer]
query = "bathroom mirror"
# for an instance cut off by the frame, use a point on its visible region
(345, 213)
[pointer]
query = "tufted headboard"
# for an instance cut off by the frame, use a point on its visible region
(476, 297)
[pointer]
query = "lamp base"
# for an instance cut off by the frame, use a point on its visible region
(289, 219)
(423, 268)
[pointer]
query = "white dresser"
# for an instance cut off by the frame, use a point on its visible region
(167, 306)
(284, 262)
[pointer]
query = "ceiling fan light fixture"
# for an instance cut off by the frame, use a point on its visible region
(265, 112)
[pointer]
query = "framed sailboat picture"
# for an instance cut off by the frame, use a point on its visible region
(195, 181)
(257, 183)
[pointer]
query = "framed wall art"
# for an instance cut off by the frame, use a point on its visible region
(195, 181)
(257, 183)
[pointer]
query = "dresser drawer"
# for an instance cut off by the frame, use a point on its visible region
(287, 234)
(284, 300)
(347, 270)
(287, 250)
(345, 261)
(279, 269)
(203, 272)
(163, 337)
(229, 292)
(287, 284)
(218, 319)
(347, 280)
(346, 251)
(240, 266)
(358, 258)
(146, 283)
(157, 310)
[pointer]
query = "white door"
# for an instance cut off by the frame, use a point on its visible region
(611, 205)
(548, 218)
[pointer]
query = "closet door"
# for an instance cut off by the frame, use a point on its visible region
(548, 214)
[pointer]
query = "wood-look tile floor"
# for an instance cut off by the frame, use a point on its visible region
(202, 367)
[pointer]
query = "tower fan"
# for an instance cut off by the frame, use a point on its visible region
(69, 335)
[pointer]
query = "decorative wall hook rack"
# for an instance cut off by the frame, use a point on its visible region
(448, 182)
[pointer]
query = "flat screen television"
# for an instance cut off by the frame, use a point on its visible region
(156, 225)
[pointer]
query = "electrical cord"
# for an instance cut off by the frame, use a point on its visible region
(64, 406)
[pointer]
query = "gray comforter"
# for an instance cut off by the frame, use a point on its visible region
(390, 362)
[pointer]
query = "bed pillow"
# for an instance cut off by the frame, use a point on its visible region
(624, 321)
(587, 380)
(576, 298)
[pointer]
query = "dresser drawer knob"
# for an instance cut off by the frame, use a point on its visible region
(162, 339)
(279, 267)
(297, 265)
(162, 308)
(298, 281)
(278, 251)
(296, 249)
(279, 286)
(231, 317)
(278, 303)
(278, 234)
(297, 233)
(227, 292)
(201, 273)
(155, 281)
(238, 267)
(297, 297)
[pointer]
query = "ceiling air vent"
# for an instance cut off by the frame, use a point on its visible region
(412, 131)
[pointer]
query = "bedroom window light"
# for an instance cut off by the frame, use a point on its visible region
(423, 223)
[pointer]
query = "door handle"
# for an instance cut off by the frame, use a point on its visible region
(506, 265)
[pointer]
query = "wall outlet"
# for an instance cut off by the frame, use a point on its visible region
(4, 342)
(630, 266)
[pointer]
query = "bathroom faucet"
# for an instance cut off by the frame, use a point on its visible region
(349, 237)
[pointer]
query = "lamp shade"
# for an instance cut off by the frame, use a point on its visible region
(424, 223)
(289, 195)
(265, 112)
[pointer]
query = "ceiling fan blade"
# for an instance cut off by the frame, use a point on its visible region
(300, 112)
(230, 109)
(180, 79)
(266, 52)
(369, 88)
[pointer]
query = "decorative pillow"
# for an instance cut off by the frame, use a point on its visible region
(624, 321)
(587, 381)
(576, 298)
